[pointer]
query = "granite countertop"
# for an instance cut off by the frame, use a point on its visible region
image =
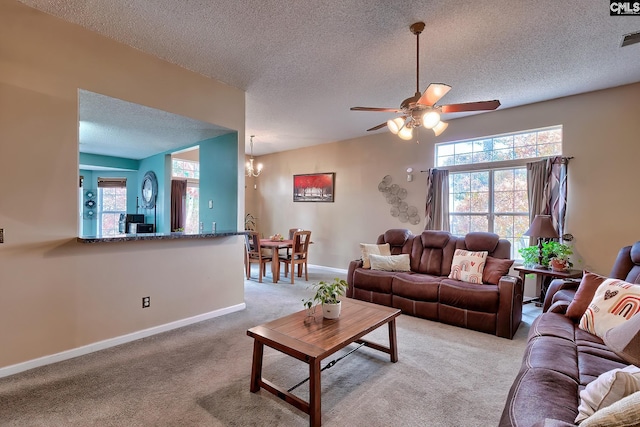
(157, 236)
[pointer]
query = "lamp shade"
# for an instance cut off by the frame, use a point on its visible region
(542, 226)
(405, 133)
(624, 340)
(395, 125)
(439, 128)
(430, 119)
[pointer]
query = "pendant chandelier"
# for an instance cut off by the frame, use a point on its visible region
(251, 169)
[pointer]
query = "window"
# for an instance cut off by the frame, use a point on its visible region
(112, 202)
(191, 171)
(488, 181)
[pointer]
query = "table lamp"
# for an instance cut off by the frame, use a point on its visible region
(542, 228)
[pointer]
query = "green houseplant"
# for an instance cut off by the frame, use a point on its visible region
(328, 295)
(551, 250)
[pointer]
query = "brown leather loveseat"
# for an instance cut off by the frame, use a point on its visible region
(560, 358)
(427, 292)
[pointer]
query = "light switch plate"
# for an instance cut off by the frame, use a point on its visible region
(210, 204)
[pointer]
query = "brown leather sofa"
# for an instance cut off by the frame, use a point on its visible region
(561, 359)
(427, 292)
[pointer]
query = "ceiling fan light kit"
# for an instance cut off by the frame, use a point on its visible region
(421, 109)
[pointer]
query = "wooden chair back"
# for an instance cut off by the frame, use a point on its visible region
(301, 241)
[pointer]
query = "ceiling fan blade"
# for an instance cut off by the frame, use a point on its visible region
(471, 106)
(390, 110)
(433, 93)
(380, 126)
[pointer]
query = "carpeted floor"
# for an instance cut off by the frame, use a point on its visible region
(199, 376)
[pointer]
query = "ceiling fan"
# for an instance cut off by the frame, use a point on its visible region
(421, 109)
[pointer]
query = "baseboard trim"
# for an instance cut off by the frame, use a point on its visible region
(322, 267)
(112, 342)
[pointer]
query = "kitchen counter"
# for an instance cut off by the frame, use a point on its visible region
(157, 236)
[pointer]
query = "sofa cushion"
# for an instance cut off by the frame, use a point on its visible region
(583, 296)
(418, 287)
(368, 248)
(390, 262)
(468, 265)
(614, 302)
(373, 280)
(430, 251)
(608, 388)
(495, 268)
(469, 296)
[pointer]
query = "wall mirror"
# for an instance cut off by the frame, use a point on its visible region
(120, 141)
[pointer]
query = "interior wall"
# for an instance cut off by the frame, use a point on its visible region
(600, 130)
(58, 294)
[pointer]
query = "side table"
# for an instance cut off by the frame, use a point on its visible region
(544, 277)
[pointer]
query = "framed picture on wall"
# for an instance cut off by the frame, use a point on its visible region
(314, 187)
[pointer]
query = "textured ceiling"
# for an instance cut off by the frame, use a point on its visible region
(303, 64)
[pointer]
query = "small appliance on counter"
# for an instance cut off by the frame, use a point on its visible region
(132, 220)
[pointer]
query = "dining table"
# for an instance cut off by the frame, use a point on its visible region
(275, 246)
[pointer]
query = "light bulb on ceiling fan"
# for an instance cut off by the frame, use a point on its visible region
(406, 133)
(430, 119)
(395, 125)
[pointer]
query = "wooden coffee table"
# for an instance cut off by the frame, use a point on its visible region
(311, 341)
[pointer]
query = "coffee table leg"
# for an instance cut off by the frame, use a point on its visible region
(314, 392)
(256, 367)
(393, 341)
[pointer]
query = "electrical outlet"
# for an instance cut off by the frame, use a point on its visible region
(146, 302)
(1, 235)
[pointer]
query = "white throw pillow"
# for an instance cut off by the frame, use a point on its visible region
(368, 248)
(390, 262)
(468, 266)
(623, 413)
(614, 302)
(607, 389)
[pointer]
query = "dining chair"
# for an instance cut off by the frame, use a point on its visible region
(254, 255)
(291, 231)
(298, 255)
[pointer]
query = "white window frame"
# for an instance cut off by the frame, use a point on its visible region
(492, 167)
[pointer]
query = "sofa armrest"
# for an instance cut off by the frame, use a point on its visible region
(559, 307)
(357, 263)
(510, 306)
(557, 285)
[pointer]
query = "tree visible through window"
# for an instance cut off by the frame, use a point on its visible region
(488, 181)
(191, 171)
(112, 201)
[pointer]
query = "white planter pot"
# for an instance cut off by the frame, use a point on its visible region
(331, 311)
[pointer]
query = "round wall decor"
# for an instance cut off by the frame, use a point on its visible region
(149, 190)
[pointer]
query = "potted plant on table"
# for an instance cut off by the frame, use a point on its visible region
(328, 295)
(558, 255)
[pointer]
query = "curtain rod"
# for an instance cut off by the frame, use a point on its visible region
(561, 158)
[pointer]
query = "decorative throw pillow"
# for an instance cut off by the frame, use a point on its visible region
(367, 249)
(468, 266)
(390, 262)
(623, 413)
(615, 302)
(587, 289)
(607, 389)
(495, 268)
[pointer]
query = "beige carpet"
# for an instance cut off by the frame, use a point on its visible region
(199, 376)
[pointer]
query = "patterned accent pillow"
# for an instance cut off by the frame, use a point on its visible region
(468, 266)
(390, 262)
(615, 302)
(368, 248)
(607, 389)
(623, 413)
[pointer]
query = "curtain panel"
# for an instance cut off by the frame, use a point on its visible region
(437, 206)
(547, 190)
(178, 203)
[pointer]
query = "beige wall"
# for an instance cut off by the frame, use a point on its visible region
(57, 294)
(601, 132)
